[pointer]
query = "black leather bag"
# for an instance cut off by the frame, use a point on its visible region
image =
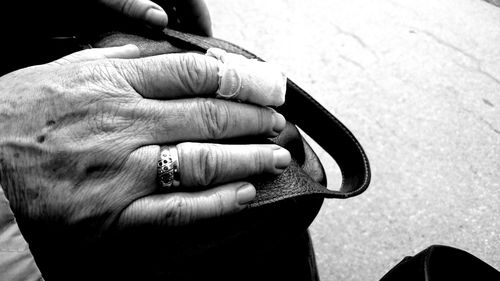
(260, 236)
(439, 263)
(285, 205)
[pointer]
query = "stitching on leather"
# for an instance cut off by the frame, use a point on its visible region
(347, 132)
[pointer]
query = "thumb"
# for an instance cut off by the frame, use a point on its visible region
(144, 10)
(122, 52)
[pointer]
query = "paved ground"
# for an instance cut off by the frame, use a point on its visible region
(418, 82)
(494, 2)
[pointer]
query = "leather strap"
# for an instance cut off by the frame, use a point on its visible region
(304, 111)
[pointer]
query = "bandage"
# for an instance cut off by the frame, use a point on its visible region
(248, 79)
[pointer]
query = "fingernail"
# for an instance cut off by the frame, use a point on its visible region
(279, 122)
(281, 159)
(245, 194)
(157, 17)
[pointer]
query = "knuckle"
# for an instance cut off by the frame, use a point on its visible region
(193, 72)
(264, 119)
(96, 72)
(107, 77)
(215, 118)
(208, 166)
(261, 160)
(130, 73)
(109, 117)
(127, 6)
(219, 205)
(178, 211)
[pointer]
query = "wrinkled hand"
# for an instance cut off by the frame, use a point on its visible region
(80, 139)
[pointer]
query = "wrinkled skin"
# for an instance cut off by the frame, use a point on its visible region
(74, 145)
(81, 137)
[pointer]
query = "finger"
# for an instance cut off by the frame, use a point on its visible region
(158, 122)
(188, 74)
(202, 164)
(193, 17)
(144, 10)
(236, 73)
(122, 52)
(177, 209)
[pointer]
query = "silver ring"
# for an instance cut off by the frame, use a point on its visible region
(168, 167)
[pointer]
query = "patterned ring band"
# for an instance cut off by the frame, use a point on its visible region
(168, 167)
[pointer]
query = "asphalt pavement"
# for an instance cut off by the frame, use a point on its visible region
(418, 83)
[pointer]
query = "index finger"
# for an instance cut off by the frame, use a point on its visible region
(175, 76)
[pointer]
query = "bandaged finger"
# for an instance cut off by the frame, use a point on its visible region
(248, 80)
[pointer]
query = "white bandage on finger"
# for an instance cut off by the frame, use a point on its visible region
(249, 79)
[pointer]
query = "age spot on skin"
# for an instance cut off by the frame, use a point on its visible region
(40, 139)
(51, 123)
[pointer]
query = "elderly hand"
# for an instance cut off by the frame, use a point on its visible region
(80, 139)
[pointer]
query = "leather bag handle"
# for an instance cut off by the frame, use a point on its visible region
(304, 111)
